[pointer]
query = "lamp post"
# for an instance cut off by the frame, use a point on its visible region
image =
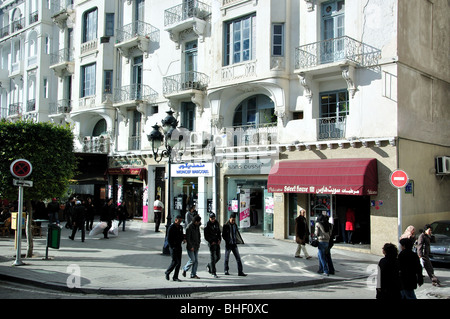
(168, 139)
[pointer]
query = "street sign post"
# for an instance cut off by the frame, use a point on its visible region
(20, 168)
(399, 179)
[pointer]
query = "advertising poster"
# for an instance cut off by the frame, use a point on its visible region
(244, 208)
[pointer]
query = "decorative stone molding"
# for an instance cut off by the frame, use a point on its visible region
(217, 121)
(304, 81)
(310, 5)
(348, 73)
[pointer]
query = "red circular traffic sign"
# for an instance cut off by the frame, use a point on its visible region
(399, 178)
(21, 168)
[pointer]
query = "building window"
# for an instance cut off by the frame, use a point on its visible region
(88, 80)
(334, 104)
(240, 40)
(45, 88)
(108, 81)
(90, 25)
(109, 25)
(278, 39)
(188, 115)
(255, 110)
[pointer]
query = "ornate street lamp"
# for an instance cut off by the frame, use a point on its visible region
(169, 139)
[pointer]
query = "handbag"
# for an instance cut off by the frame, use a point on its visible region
(314, 242)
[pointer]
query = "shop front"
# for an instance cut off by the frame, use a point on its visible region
(128, 184)
(337, 188)
(192, 185)
(246, 195)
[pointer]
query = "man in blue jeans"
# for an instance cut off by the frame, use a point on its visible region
(192, 246)
(232, 238)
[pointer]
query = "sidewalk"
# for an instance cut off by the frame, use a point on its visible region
(132, 264)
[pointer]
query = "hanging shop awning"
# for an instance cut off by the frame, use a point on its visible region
(141, 172)
(353, 176)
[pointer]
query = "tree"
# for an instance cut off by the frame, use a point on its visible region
(49, 149)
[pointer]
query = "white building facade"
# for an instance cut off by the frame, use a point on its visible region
(285, 105)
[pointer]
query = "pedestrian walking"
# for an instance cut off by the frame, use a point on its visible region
(175, 238)
(68, 211)
(158, 208)
(323, 230)
(388, 284)
(423, 250)
(192, 246)
(53, 210)
(190, 215)
(301, 234)
(409, 233)
(213, 236)
(90, 213)
(410, 269)
(232, 238)
(122, 215)
(78, 219)
(107, 215)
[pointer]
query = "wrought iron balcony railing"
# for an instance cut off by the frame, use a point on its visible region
(330, 128)
(64, 55)
(61, 107)
(134, 92)
(31, 105)
(334, 50)
(137, 29)
(251, 135)
(58, 6)
(96, 144)
(134, 143)
(15, 109)
(185, 81)
(189, 9)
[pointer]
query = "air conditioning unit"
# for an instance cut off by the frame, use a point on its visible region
(442, 165)
(197, 138)
(223, 140)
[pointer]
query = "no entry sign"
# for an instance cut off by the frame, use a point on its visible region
(399, 179)
(21, 168)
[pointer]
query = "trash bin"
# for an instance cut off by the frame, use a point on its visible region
(53, 236)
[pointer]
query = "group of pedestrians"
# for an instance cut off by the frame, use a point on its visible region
(212, 234)
(399, 274)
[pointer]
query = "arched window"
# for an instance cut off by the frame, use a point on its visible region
(255, 110)
(99, 128)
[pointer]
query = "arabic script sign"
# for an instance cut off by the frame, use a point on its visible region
(191, 170)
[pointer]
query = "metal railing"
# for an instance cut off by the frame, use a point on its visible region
(15, 109)
(134, 92)
(96, 144)
(136, 29)
(334, 50)
(31, 105)
(134, 143)
(59, 6)
(64, 55)
(252, 134)
(189, 9)
(331, 127)
(185, 81)
(61, 107)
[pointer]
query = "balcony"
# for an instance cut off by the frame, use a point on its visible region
(331, 128)
(60, 11)
(184, 84)
(62, 62)
(191, 14)
(15, 109)
(96, 144)
(4, 31)
(343, 50)
(135, 93)
(136, 34)
(63, 106)
(134, 143)
(263, 134)
(31, 105)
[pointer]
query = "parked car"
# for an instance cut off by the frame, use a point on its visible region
(440, 246)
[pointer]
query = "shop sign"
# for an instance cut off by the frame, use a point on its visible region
(247, 167)
(191, 170)
(320, 190)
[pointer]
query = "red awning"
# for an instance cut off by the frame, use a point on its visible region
(353, 176)
(141, 172)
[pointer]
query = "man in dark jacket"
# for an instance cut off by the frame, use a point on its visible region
(388, 274)
(175, 238)
(107, 215)
(410, 270)
(232, 238)
(78, 219)
(213, 236)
